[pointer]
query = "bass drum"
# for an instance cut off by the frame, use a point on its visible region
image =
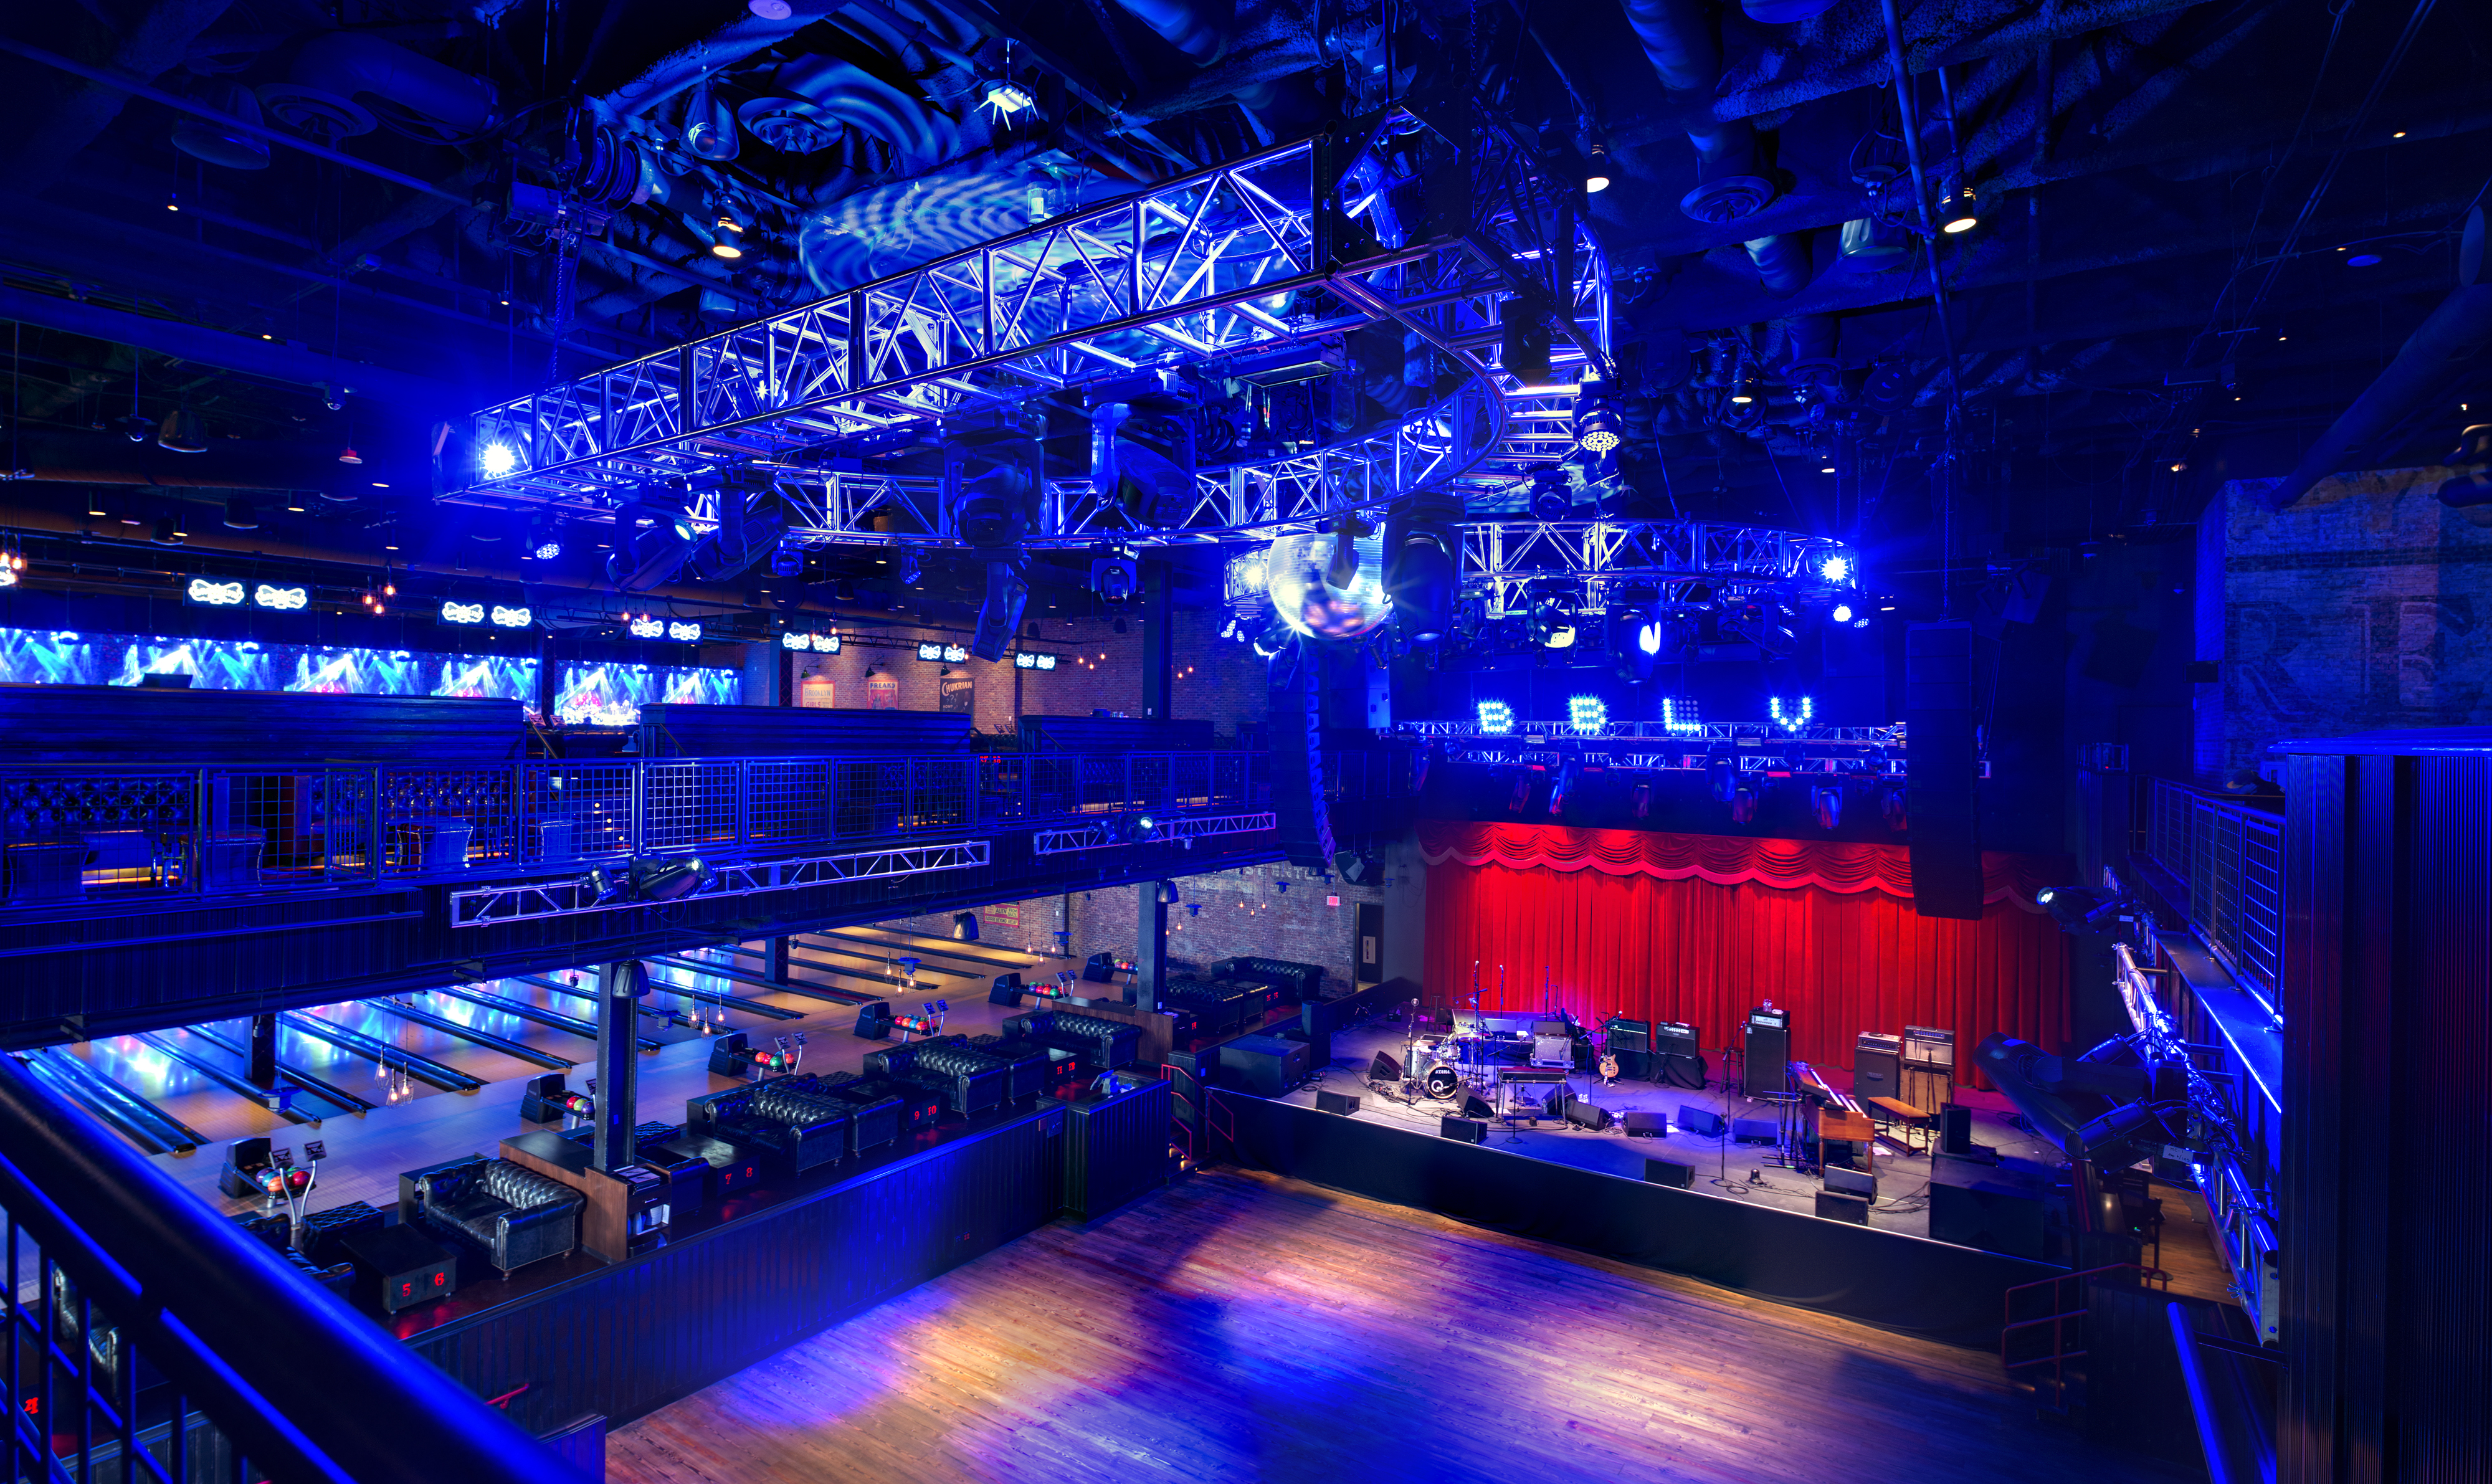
(1442, 1082)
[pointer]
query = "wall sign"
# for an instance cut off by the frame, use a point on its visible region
(1031, 658)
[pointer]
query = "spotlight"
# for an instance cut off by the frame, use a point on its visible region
(786, 561)
(1964, 223)
(1496, 718)
(1552, 498)
(240, 517)
(1648, 637)
(168, 534)
(1142, 829)
(1743, 386)
(770, 9)
(648, 881)
(907, 567)
(965, 927)
(1007, 99)
(1835, 569)
(1597, 427)
(1842, 612)
(1552, 627)
(1796, 717)
(1964, 218)
(1000, 614)
(1586, 713)
(498, 459)
(1114, 578)
(1596, 172)
(2362, 260)
(1828, 805)
(726, 243)
(1641, 797)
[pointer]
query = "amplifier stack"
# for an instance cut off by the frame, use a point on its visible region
(1631, 1042)
(1676, 1060)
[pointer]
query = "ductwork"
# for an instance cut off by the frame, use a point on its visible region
(1782, 262)
(1198, 28)
(809, 99)
(343, 82)
(1678, 37)
(2455, 332)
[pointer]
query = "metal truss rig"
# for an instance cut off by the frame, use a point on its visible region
(572, 896)
(1684, 564)
(1100, 834)
(1304, 240)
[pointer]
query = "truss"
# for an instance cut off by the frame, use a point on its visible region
(521, 901)
(1292, 243)
(1107, 832)
(1690, 733)
(1686, 563)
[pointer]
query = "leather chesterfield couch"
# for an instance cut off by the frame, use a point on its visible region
(509, 1215)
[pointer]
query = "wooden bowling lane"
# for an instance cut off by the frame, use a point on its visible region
(1243, 1326)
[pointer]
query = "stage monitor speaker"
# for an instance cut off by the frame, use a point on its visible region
(1670, 1172)
(1834, 1206)
(1584, 1113)
(1468, 1130)
(1852, 1182)
(1877, 1068)
(1647, 1126)
(1383, 1069)
(1336, 1103)
(1701, 1120)
(1755, 1131)
(1941, 797)
(1476, 1106)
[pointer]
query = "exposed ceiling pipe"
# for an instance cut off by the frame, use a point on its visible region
(1678, 37)
(686, 68)
(420, 94)
(2455, 333)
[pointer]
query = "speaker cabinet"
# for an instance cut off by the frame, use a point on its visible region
(1586, 1113)
(1877, 1068)
(1670, 1172)
(1755, 1130)
(1336, 1103)
(1476, 1106)
(1264, 1065)
(1939, 798)
(1468, 1130)
(1852, 1182)
(1701, 1120)
(1768, 1067)
(1647, 1126)
(1834, 1206)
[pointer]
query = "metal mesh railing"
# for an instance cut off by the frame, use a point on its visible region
(2228, 860)
(69, 834)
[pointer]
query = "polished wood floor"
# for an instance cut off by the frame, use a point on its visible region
(1241, 1327)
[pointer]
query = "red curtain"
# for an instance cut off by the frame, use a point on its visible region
(1700, 928)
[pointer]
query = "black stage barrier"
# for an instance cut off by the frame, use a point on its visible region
(1934, 1289)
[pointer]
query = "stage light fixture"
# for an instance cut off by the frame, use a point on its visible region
(1597, 171)
(1743, 805)
(1569, 772)
(1722, 776)
(1552, 627)
(648, 880)
(1142, 829)
(1007, 99)
(498, 459)
(1679, 716)
(1743, 386)
(1828, 805)
(347, 455)
(1648, 637)
(1842, 612)
(965, 927)
(1496, 718)
(8, 575)
(1586, 713)
(1796, 717)
(166, 534)
(1641, 799)
(1598, 428)
(1835, 569)
(1551, 497)
(726, 244)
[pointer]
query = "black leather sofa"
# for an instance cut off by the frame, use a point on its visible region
(966, 1081)
(507, 1214)
(791, 1129)
(1102, 1045)
(1297, 982)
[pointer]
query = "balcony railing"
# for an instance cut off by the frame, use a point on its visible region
(2228, 861)
(73, 833)
(148, 1342)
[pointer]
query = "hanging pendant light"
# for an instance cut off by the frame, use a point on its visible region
(709, 126)
(347, 455)
(180, 433)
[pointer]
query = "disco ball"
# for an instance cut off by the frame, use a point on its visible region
(1316, 598)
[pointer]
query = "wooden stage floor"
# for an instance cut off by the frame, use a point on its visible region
(1243, 1326)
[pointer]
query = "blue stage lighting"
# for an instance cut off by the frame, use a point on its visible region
(1798, 717)
(1648, 637)
(1587, 713)
(1679, 716)
(498, 459)
(1842, 612)
(1835, 569)
(1496, 717)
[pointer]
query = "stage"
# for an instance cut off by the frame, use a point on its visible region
(1743, 1222)
(1722, 1167)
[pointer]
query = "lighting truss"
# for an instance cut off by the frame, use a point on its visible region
(1294, 241)
(521, 901)
(1499, 558)
(1100, 834)
(1682, 733)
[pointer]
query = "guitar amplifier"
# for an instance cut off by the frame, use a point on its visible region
(1674, 1038)
(1767, 1071)
(1926, 1046)
(1627, 1035)
(1877, 1068)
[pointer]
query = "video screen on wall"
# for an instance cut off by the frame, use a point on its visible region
(59, 656)
(612, 694)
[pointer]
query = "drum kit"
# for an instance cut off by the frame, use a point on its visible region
(1465, 1060)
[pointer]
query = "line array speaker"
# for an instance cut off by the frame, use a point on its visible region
(1939, 793)
(1297, 716)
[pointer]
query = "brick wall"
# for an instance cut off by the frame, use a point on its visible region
(2365, 605)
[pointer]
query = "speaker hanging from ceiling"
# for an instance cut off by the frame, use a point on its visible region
(1940, 794)
(1296, 712)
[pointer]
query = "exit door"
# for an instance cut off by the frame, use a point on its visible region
(1371, 942)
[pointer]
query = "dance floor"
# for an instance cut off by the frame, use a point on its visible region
(1244, 1327)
